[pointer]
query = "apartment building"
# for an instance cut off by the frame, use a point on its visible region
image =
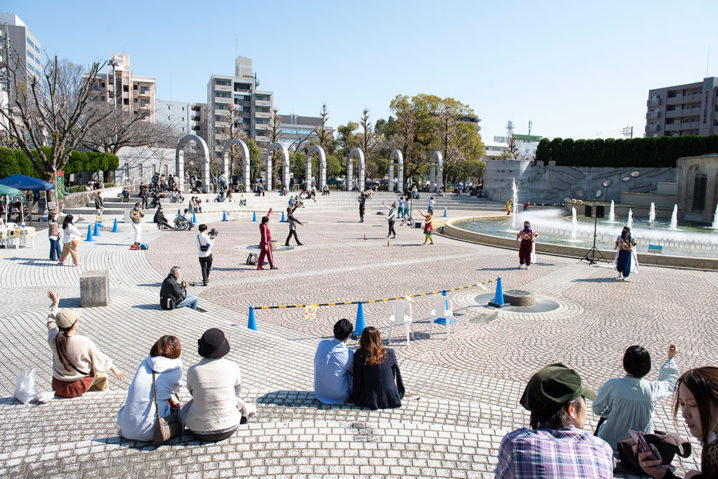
(235, 104)
(690, 109)
(184, 117)
(22, 51)
(119, 86)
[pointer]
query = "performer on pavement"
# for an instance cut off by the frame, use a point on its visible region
(527, 236)
(428, 228)
(292, 225)
(265, 243)
(625, 255)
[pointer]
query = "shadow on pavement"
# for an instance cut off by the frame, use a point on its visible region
(148, 306)
(596, 280)
(299, 399)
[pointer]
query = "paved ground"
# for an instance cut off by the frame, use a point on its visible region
(462, 391)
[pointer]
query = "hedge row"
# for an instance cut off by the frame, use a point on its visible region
(14, 161)
(646, 152)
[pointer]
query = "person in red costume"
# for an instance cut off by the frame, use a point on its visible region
(527, 237)
(265, 243)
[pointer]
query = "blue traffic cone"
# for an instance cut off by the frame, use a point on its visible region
(97, 230)
(254, 216)
(444, 212)
(224, 216)
(114, 227)
(446, 308)
(283, 219)
(252, 323)
(360, 325)
(498, 301)
(89, 234)
(194, 217)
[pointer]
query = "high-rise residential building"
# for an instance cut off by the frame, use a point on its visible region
(121, 88)
(690, 109)
(184, 117)
(299, 131)
(235, 105)
(19, 50)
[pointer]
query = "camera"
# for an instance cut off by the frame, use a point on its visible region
(213, 233)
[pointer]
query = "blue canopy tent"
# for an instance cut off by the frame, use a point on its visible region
(22, 182)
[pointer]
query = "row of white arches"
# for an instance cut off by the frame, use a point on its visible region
(435, 176)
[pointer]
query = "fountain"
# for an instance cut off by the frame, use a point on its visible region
(674, 218)
(629, 221)
(652, 214)
(612, 213)
(574, 223)
(715, 219)
(515, 198)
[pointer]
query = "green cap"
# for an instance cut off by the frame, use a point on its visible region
(552, 387)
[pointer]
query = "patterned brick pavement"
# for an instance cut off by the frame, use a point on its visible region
(462, 392)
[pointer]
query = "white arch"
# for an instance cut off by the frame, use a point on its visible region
(245, 161)
(179, 161)
(322, 165)
(437, 170)
(400, 170)
(285, 164)
(350, 168)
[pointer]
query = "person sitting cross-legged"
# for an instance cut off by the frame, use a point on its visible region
(556, 445)
(333, 363)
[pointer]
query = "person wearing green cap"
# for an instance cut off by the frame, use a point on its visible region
(556, 445)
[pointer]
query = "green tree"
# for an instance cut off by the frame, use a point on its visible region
(255, 168)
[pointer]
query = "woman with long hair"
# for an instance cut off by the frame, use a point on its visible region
(625, 254)
(137, 417)
(697, 399)
(377, 379)
(78, 365)
(71, 238)
(53, 233)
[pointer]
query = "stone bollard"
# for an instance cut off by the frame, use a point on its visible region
(95, 288)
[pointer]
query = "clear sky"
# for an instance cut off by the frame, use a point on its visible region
(576, 69)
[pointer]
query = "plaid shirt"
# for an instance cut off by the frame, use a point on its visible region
(554, 453)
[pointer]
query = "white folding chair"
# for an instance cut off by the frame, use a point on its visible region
(443, 313)
(401, 312)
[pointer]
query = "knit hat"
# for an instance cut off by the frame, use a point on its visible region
(65, 319)
(552, 387)
(213, 344)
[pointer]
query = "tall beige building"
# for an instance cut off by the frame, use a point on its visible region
(124, 90)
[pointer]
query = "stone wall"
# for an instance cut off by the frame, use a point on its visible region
(554, 185)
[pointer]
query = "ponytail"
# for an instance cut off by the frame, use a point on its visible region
(61, 346)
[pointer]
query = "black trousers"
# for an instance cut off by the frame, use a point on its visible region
(391, 228)
(292, 232)
(205, 265)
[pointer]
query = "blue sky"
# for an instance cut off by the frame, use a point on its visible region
(576, 69)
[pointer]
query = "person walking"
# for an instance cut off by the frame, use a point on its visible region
(292, 226)
(78, 365)
(362, 207)
(144, 195)
(70, 241)
(527, 237)
(99, 205)
(265, 243)
(204, 250)
(625, 254)
(431, 205)
(53, 233)
(136, 216)
(428, 228)
(390, 219)
(376, 377)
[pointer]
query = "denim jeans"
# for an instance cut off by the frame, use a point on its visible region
(55, 249)
(189, 300)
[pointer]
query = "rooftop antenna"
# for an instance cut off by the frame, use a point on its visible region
(530, 125)
(708, 60)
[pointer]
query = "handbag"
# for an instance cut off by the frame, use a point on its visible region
(668, 446)
(165, 427)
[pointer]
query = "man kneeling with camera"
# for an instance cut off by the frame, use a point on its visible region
(173, 293)
(204, 250)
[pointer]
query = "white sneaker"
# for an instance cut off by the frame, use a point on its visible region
(528, 267)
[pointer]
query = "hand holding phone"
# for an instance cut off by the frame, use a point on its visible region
(643, 445)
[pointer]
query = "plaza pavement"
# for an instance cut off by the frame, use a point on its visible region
(462, 392)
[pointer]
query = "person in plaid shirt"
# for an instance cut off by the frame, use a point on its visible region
(556, 446)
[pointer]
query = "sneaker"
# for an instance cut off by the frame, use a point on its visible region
(274, 267)
(60, 263)
(528, 267)
(300, 244)
(521, 266)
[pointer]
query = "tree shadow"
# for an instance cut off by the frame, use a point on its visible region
(596, 280)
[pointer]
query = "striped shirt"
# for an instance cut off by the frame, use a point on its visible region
(554, 453)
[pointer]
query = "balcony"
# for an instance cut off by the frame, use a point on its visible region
(652, 115)
(263, 114)
(222, 88)
(652, 127)
(672, 127)
(653, 102)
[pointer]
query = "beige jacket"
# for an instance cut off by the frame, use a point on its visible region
(215, 385)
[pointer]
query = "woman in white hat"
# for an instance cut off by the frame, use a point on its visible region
(78, 365)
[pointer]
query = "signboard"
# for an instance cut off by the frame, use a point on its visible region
(60, 185)
(310, 312)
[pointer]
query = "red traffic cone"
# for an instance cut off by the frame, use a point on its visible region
(364, 237)
(387, 243)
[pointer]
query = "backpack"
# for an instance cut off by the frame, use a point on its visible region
(144, 246)
(252, 259)
(167, 303)
(135, 247)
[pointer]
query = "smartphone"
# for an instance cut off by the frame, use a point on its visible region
(642, 444)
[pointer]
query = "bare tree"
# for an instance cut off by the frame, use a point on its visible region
(324, 135)
(233, 131)
(275, 127)
(51, 110)
(368, 139)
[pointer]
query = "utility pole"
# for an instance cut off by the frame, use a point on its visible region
(530, 125)
(628, 132)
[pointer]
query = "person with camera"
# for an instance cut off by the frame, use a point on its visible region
(204, 250)
(173, 293)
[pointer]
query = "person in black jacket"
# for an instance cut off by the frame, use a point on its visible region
(161, 219)
(173, 293)
(377, 379)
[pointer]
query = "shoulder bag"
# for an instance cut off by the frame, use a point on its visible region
(165, 427)
(668, 446)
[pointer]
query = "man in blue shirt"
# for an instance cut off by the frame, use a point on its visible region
(333, 366)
